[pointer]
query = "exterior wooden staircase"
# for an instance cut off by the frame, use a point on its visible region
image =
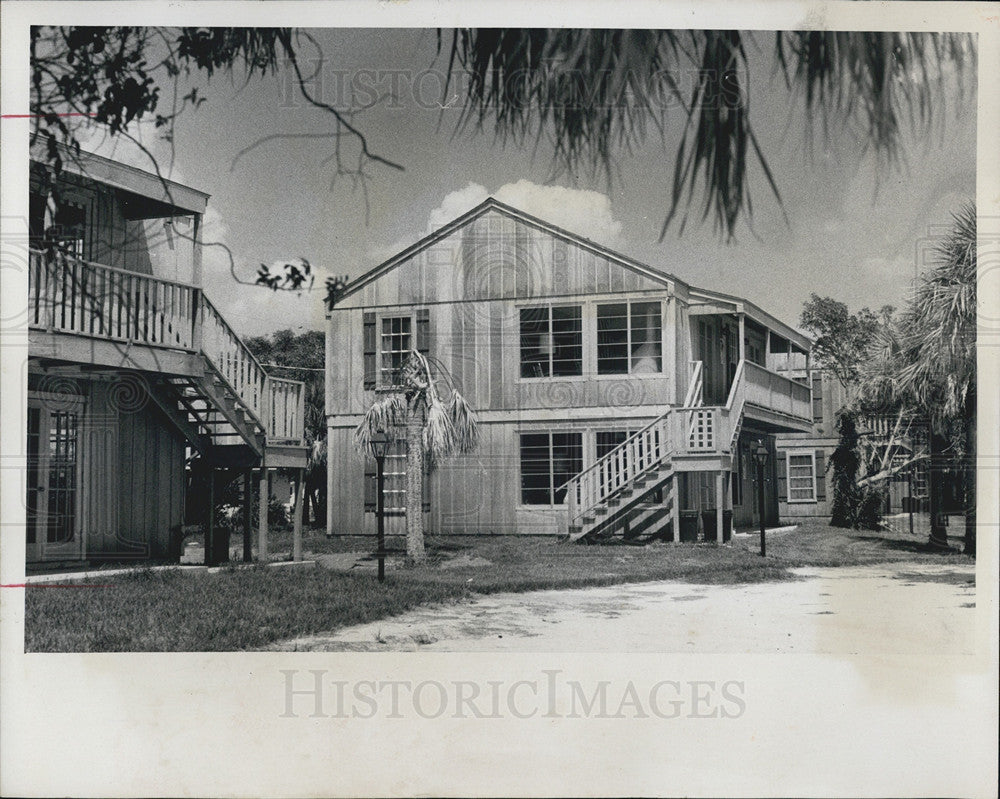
(629, 494)
(195, 367)
(607, 498)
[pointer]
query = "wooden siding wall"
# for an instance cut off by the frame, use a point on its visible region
(134, 480)
(101, 465)
(497, 257)
(473, 284)
(144, 245)
(153, 482)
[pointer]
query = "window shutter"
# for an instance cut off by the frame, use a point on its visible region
(369, 351)
(782, 461)
(423, 337)
(371, 484)
(817, 395)
(820, 476)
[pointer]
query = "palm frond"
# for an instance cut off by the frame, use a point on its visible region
(597, 95)
(928, 360)
(386, 414)
(439, 434)
(464, 422)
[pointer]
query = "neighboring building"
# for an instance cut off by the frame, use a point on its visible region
(565, 349)
(131, 370)
(805, 484)
(805, 477)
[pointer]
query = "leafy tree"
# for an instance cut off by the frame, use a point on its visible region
(302, 357)
(841, 339)
(433, 430)
(926, 364)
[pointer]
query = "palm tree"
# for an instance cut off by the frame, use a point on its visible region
(432, 428)
(927, 362)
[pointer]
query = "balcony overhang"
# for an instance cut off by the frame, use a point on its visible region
(78, 348)
(148, 196)
(768, 420)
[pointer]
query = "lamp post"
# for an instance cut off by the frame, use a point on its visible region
(380, 444)
(760, 456)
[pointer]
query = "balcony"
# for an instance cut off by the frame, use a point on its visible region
(105, 317)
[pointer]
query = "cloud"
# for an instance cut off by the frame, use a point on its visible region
(584, 212)
(255, 310)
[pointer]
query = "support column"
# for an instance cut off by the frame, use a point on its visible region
(743, 335)
(330, 485)
(674, 499)
(719, 504)
(262, 514)
(300, 495)
(196, 269)
(247, 510)
(210, 524)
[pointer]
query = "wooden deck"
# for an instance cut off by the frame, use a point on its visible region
(210, 383)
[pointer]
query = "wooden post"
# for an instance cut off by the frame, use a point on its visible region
(210, 525)
(247, 524)
(743, 329)
(196, 274)
(719, 505)
(674, 498)
(300, 494)
(262, 514)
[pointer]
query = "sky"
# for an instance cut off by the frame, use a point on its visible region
(853, 232)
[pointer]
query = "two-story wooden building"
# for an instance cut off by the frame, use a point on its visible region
(132, 372)
(612, 396)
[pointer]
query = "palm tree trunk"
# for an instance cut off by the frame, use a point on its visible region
(414, 483)
(935, 489)
(969, 424)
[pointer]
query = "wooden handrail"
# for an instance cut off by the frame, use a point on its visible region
(72, 295)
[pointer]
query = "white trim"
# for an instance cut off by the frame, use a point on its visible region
(380, 384)
(792, 453)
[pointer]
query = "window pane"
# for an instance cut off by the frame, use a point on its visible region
(567, 341)
(801, 480)
(536, 342)
(567, 461)
(395, 347)
(612, 339)
(536, 483)
(646, 338)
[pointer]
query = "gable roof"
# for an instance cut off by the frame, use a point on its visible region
(739, 304)
(492, 204)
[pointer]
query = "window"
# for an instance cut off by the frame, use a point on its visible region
(551, 342)
(547, 461)
(629, 338)
(394, 346)
(607, 440)
(801, 477)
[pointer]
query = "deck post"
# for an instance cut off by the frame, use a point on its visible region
(247, 524)
(719, 502)
(210, 525)
(262, 514)
(300, 495)
(743, 328)
(674, 508)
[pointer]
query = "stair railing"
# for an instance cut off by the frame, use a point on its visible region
(618, 468)
(695, 393)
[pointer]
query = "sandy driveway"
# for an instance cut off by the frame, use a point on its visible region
(885, 609)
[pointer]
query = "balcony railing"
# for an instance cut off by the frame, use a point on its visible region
(73, 296)
(776, 392)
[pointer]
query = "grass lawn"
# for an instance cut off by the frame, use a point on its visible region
(248, 607)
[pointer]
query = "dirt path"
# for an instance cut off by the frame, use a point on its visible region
(886, 609)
